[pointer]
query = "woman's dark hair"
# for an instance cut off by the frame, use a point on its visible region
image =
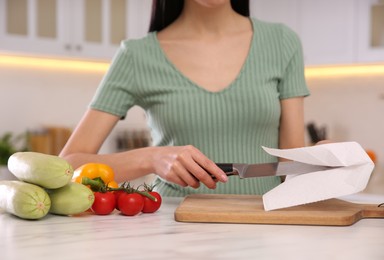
(164, 12)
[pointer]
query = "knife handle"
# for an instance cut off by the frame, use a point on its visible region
(227, 168)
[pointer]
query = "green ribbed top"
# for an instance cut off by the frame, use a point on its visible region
(227, 126)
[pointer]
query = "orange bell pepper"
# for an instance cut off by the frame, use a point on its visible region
(94, 171)
(372, 155)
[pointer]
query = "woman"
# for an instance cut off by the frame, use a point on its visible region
(216, 86)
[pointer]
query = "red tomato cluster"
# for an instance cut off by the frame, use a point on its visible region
(109, 196)
(129, 203)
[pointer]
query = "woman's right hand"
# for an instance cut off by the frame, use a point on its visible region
(186, 166)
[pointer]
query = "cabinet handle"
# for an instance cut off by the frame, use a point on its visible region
(68, 47)
(79, 47)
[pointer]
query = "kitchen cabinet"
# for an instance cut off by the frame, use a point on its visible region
(370, 29)
(331, 31)
(26, 26)
(75, 28)
(326, 28)
(280, 11)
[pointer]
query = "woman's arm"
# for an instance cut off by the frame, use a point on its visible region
(183, 165)
(88, 137)
(292, 129)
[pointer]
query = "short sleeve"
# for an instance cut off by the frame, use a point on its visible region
(292, 83)
(115, 94)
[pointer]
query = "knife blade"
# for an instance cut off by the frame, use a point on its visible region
(270, 169)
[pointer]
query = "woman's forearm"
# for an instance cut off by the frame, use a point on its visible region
(183, 165)
(127, 165)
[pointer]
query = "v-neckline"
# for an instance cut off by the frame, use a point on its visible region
(193, 83)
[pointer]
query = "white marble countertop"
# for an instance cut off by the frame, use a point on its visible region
(159, 236)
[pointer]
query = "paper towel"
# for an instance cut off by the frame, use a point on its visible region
(352, 176)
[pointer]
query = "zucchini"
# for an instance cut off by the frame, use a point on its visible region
(25, 200)
(74, 198)
(47, 171)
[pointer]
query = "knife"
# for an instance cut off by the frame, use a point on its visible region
(270, 169)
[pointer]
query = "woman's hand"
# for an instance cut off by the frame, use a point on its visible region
(183, 165)
(186, 166)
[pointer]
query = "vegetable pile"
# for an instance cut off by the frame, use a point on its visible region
(43, 186)
(109, 196)
(48, 184)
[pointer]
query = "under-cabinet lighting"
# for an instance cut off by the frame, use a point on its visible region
(345, 70)
(53, 64)
(101, 67)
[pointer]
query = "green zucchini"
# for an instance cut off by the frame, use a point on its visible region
(25, 200)
(74, 198)
(47, 171)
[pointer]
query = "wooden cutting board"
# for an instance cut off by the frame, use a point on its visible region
(217, 208)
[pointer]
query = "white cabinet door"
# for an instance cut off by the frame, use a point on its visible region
(33, 26)
(327, 30)
(280, 11)
(94, 31)
(74, 28)
(99, 26)
(370, 31)
(94, 28)
(139, 15)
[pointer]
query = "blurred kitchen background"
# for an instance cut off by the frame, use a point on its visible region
(53, 54)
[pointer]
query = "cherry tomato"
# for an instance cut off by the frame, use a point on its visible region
(130, 204)
(117, 196)
(104, 203)
(151, 206)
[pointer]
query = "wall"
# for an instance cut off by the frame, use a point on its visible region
(32, 98)
(350, 107)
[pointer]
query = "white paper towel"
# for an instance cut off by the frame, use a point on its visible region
(352, 176)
